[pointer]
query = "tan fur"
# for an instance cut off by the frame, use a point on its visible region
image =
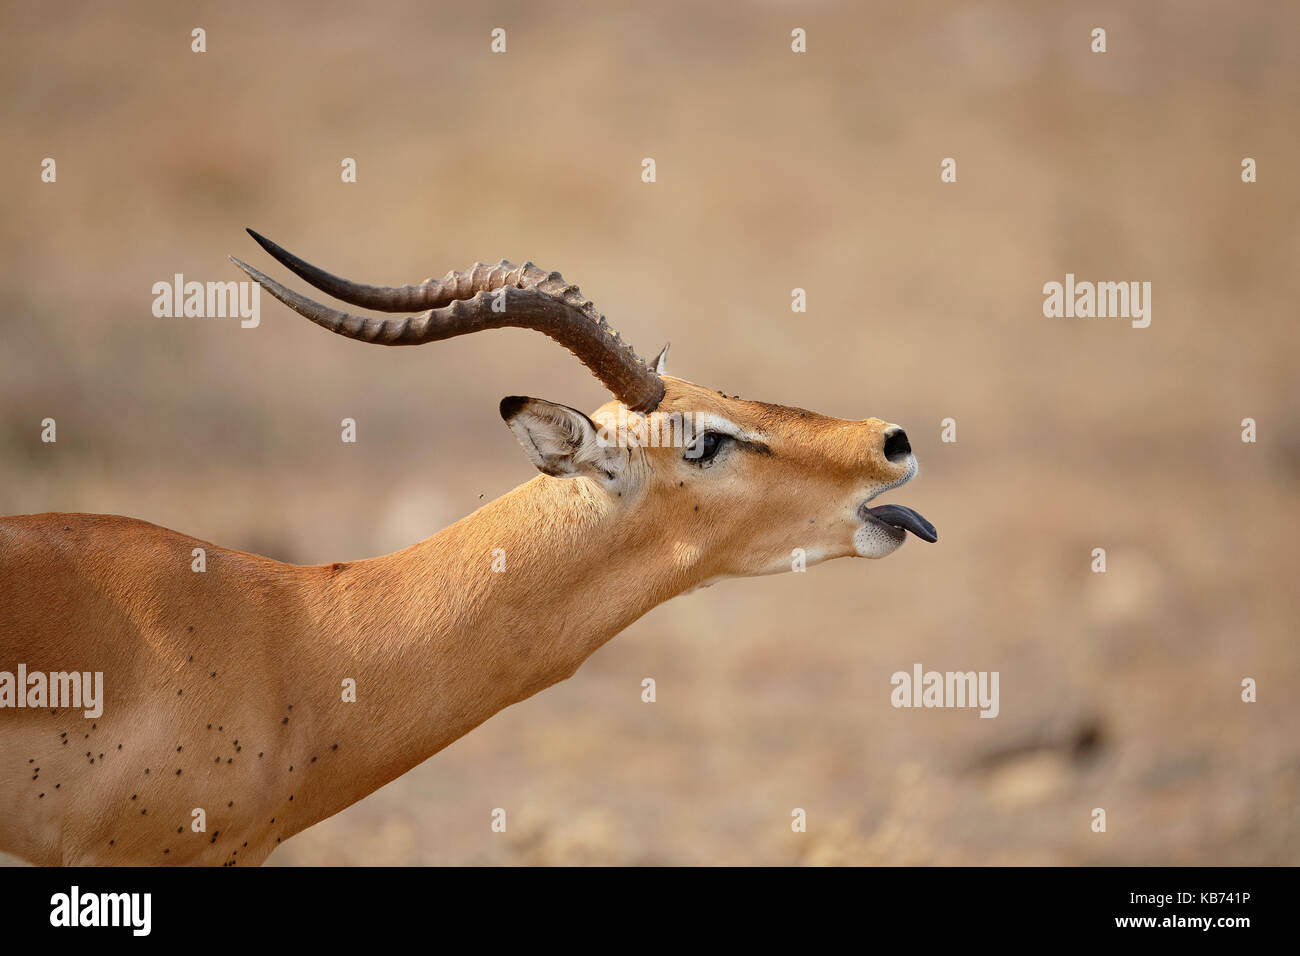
(234, 676)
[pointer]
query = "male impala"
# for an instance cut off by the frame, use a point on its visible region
(223, 691)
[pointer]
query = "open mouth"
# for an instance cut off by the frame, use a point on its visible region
(902, 517)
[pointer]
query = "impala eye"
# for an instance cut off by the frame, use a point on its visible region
(706, 447)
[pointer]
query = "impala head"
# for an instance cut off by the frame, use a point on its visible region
(736, 485)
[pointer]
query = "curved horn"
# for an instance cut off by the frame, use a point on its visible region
(429, 294)
(484, 297)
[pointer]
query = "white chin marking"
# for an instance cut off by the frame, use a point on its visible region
(876, 539)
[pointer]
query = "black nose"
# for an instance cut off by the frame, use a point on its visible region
(896, 445)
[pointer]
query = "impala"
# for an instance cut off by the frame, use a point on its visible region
(243, 704)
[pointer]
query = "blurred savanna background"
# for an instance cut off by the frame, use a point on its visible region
(775, 170)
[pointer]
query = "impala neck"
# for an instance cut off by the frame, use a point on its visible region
(503, 603)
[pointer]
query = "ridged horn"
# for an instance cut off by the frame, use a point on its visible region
(482, 297)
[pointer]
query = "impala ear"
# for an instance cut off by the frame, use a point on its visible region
(561, 441)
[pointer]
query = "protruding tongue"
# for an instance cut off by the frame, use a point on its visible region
(902, 517)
